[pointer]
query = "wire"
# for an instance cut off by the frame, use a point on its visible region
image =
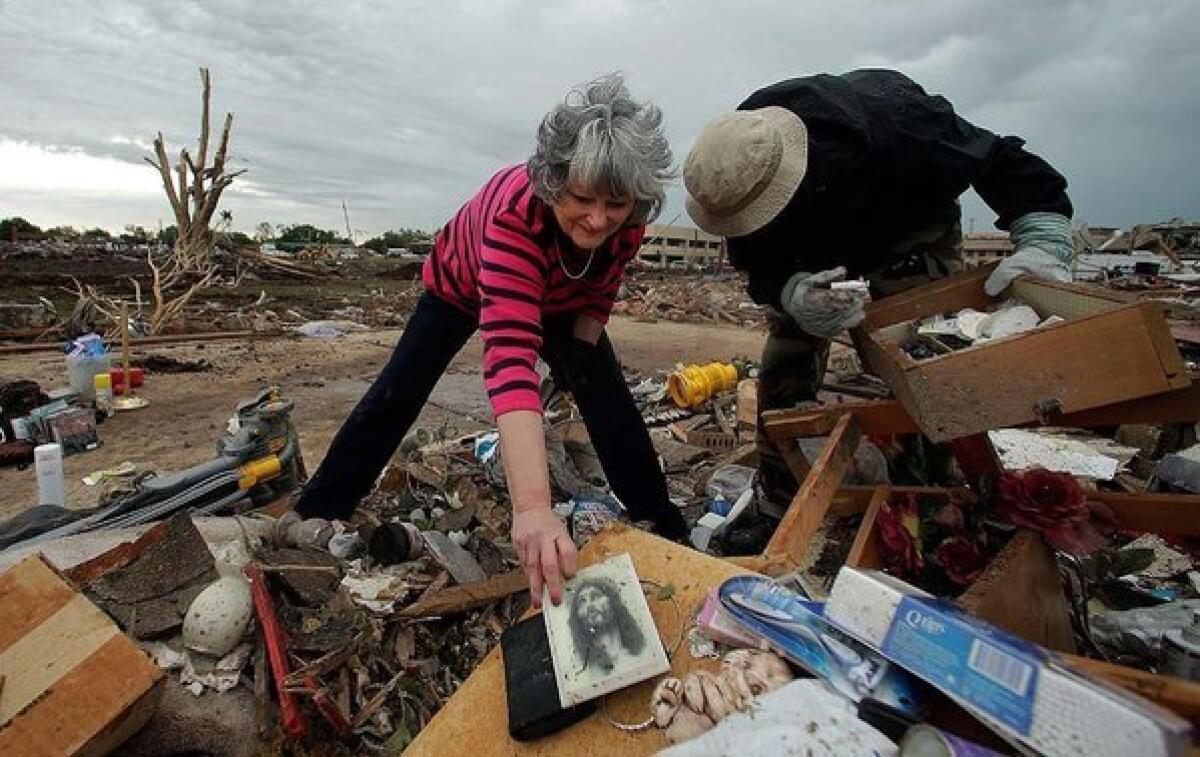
(683, 629)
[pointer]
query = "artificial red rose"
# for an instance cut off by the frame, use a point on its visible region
(961, 558)
(898, 531)
(1040, 499)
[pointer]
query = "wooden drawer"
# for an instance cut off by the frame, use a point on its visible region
(1109, 349)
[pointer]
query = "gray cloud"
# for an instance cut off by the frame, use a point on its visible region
(403, 108)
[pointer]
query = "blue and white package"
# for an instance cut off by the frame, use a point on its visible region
(486, 446)
(937, 641)
(1024, 692)
(796, 629)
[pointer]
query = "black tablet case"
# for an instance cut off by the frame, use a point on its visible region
(534, 708)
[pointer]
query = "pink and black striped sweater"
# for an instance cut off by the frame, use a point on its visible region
(502, 257)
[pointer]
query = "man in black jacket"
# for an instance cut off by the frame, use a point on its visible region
(820, 177)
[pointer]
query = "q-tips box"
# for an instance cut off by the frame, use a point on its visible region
(1017, 687)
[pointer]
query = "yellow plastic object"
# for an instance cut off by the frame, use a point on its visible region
(262, 469)
(696, 383)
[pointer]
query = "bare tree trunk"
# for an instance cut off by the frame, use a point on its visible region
(194, 192)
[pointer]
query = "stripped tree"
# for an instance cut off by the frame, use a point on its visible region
(193, 188)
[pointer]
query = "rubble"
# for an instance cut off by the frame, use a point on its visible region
(669, 296)
(366, 630)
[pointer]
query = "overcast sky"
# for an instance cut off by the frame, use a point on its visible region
(403, 108)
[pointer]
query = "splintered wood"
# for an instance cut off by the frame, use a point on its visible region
(73, 683)
(812, 500)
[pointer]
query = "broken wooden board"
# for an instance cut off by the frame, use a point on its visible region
(1104, 353)
(812, 500)
(459, 599)
(1176, 514)
(888, 417)
(865, 551)
(73, 683)
(475, 720)
(1179, 695)
(1021, 591)
(747, 404)
(458, 561)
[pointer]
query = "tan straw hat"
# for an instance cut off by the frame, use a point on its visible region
(744, 169)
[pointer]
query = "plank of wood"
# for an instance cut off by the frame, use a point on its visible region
(747, 455)
(809, 506)
(1168, 407)
(1176, 694)
(1066, 299)
(747, 403)
(888, 417)
(1177, 514)
(146, 341)
(1020, 591)
(768, 565)
(875, 418)
(794, 459)
(474, 721)
(962, 290)
(459, 599)
(74, 684)
(864, 552)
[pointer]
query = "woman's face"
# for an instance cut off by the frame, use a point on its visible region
(588, 217)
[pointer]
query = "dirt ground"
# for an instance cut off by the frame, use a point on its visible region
(325, 378)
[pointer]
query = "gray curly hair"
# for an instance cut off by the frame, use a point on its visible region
(599, 137)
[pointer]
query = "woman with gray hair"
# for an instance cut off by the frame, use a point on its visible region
(534, 262)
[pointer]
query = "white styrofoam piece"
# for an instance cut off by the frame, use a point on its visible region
(1072, 714)
(1019, 450)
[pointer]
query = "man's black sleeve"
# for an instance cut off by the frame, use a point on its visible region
(1014, 182)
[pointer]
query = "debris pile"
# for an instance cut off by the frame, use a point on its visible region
(689, 298)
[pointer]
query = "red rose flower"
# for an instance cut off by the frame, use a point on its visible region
(898, 532)
(961, 558)
(1040, 499)
(1054, 504)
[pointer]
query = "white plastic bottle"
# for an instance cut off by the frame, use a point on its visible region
(47, 459)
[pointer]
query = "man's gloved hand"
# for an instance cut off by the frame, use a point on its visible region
(1041, 248)
(819, 310)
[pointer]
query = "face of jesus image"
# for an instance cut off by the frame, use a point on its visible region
(601, 626)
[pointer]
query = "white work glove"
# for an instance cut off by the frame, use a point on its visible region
(1041, 248)
(818, 310)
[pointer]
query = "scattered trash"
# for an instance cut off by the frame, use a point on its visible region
(86, 356)
(1139, 632)
(730, 482)
(221, 674)
(329, 329)
(1167, 562)
(1181, 650)
(166, 364)
(694, 384)
(1179, 473)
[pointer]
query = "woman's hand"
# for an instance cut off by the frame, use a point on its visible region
(546, 550)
